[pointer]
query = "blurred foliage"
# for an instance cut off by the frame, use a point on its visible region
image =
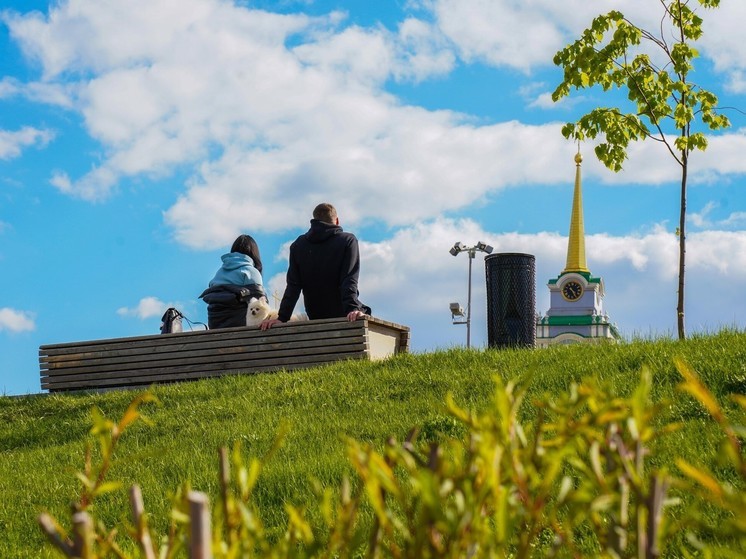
(575, 480)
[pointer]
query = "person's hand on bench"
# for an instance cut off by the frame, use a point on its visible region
(267, 324)
(352, 316)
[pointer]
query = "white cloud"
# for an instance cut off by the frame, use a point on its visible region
(16, 321)
(9, 87)
(701, 218)
(525, 34)
(722, 42)
(545, 101)
(736, 82)
(278, 117)
(650, 163)
(148, 307)
(354, 55)
(53, 94)
(536, 96)
(735, 219)
(12, 143)
(720, 252)
(162, 100)
(502, 33)
(706, 218)
(273, 112)
(724, 154)
(94, 186)
(79, 36)
(405, 164)
(422, 51)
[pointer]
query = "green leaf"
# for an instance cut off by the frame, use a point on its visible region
(700, 476)
(739, 430)
(694, 386)
(595, 456)
(565, 487)
(739, 399)
(602, 502)
(107, 487)
(87, 482)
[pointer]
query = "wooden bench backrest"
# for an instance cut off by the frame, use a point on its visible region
(143, 360)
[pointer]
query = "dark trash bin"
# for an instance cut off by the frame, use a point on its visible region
(511, 300)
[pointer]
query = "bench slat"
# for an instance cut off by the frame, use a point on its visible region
(215, 349)
(227, 355)
(177, 344)
(241, 332)
(158, 377)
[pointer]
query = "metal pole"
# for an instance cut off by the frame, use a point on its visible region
(468, 305)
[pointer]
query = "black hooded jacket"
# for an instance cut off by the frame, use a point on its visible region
(324, 265)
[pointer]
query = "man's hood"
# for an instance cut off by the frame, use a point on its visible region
(321, 231)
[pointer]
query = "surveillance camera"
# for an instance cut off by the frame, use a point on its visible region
(456, 309)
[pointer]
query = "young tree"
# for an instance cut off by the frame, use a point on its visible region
(653, 69)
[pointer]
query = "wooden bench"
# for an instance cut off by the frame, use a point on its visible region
(162, 358)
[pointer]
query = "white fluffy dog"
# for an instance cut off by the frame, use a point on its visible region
(259, 311)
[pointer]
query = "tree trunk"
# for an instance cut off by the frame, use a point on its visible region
(682, 246)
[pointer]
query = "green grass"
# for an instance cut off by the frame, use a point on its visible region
(42, 438)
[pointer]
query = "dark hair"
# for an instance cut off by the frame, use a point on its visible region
(245, 244)
(325, 212)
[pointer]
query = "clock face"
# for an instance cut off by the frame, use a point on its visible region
(572, 291)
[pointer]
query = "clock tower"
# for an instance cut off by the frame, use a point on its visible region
(576, 313)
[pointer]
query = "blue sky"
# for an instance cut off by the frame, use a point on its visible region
(139, 138)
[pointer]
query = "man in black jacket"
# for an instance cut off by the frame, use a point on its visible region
(324, 265)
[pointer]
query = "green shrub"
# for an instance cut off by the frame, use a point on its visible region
(578, 479)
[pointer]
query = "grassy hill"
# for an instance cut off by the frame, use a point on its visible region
(42, 438)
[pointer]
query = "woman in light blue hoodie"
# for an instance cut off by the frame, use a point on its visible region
(237, 280)
(241, 266)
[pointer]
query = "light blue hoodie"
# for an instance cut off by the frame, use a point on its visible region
(237, 269)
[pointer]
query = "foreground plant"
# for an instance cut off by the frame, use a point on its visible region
(730, 498)
(524, 490)
(575, 482)
(88, 536)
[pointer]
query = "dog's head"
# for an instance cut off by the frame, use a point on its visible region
(258, 308)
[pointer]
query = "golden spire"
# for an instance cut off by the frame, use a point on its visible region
(576, 243)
